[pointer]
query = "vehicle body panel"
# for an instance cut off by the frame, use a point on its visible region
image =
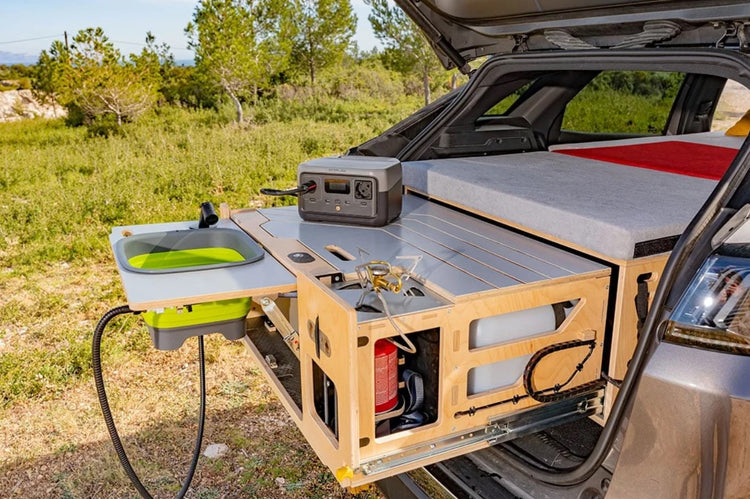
(689, 430)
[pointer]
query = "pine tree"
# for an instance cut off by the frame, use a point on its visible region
(406, 46)
(93, 78)
(240, 44)
(324, 29)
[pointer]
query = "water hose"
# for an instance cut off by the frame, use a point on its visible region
(99, 381)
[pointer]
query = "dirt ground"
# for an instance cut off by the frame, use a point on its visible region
(56, 444)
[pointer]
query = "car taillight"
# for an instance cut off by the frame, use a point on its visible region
(714, 312)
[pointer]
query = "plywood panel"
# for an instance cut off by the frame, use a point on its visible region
(625, 328)
(585, 322)
(337, 322)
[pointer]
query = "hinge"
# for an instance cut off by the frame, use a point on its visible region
(283, 327)
(734, 30)
(520, 43)
(497, 431)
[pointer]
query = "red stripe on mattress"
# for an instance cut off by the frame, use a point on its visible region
(674, 156)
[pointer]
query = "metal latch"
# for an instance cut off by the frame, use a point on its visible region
(283, 326)
(496, 430)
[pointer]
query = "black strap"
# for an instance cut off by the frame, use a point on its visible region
(641, 300)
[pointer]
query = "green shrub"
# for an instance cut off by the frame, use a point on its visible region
(103, 126)
(358, 81)
(184, 86)
(640, 83)
(612, 111)
(16, 71)
(24, 83)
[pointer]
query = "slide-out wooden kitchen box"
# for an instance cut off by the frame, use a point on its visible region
(529, 270)
(469, 274)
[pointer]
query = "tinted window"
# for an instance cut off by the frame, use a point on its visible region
(636, 102)
(502, 107)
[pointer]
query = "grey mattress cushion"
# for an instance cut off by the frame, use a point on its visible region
(603, 207)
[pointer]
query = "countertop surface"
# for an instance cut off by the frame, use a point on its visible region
(156, 291)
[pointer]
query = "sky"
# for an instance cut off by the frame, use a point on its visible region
(29, 26)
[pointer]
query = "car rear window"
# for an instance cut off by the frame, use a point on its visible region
(623, 102)
(502, 107)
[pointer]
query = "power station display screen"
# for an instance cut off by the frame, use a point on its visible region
(337, 186)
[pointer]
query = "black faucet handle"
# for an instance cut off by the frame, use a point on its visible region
(208, 215)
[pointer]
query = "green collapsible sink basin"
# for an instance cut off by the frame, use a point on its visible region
(188, 251)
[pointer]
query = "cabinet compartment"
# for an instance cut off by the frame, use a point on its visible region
(337, 412)
(465, 308)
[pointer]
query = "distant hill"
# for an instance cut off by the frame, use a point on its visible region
(8, 58)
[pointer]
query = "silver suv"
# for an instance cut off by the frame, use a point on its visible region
(603, 128)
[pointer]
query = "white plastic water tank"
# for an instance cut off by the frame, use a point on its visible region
(506, 328)
(496, 375)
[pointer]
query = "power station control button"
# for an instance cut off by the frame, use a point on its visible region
(301, 257)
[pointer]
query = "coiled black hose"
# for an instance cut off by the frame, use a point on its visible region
(99, 381)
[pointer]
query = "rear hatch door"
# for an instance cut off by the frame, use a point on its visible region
(464, 30)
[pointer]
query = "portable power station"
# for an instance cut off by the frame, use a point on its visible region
(358, 190)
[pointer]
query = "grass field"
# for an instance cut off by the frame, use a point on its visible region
(62, 191)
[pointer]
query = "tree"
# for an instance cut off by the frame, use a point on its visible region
(239, 44)
(324, 29)
(93, 78)
(159, 60)
(155, 58)
(406, 47)
(50, 72)
(101, 82)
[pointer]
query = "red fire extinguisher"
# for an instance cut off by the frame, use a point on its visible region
(386, 376)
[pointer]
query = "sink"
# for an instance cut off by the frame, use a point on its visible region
(162, 253)
(186, 250)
